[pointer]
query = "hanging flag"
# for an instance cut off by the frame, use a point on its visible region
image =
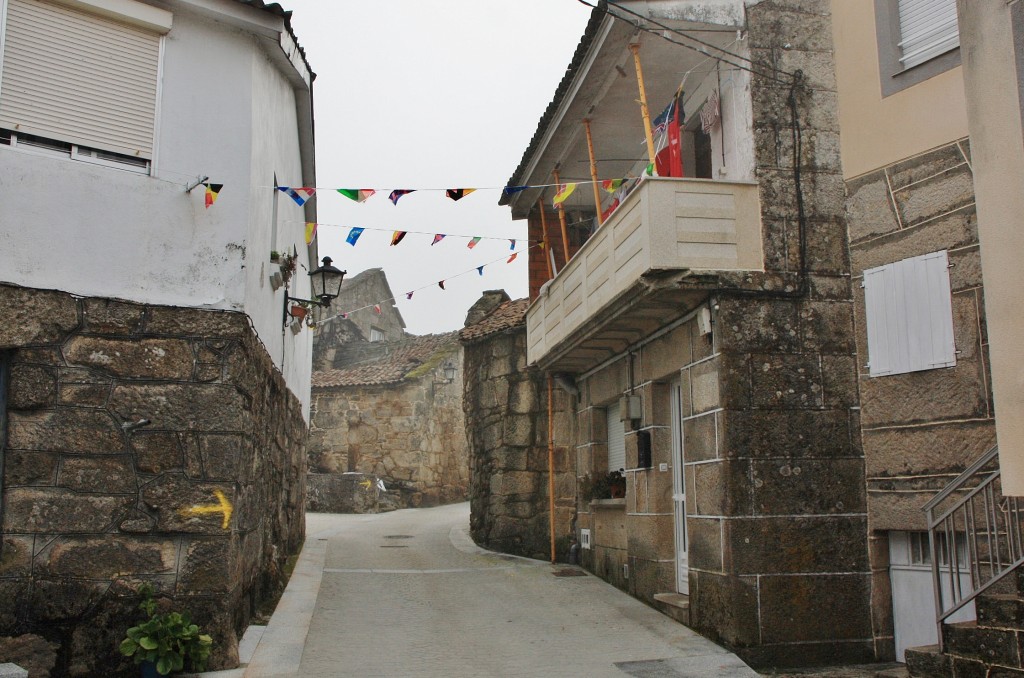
(512, 258)
(359, 195)
(563, 191)
(709, 115)
(480, 270)
(611, 208)
(440, 284)
(212, 191)
(310, 232)
(457, 194)
(353, 235)
(513, 246)
(437, 238)
(541, 245)
(344, 316)
(612, 185)
(376, 309)
(668, 161)
(512, 190)
(473, 242)
(396, 237)
(398, 193)
(299, 195)
(408, 295)
(650, 171)
(661, 122)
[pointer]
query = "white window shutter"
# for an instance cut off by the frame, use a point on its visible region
(616, 439)
(909, 312)
(928, 28)
(79, 78)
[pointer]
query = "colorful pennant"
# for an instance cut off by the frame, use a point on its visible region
(512, 190)
(310, 232)
(353, 235)
(212, 191)
(408, 295)
(440, 284)
(299, 195)
(512, 258)
(480, 270)
(359, 195)
(457, 194)
(513, 245)
(376, 309)
(397, 236)
(612, 185)
(562, 193)
(473, 243)
(437, 238)
(398, 193)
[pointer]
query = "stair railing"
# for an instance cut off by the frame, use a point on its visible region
(977, 536)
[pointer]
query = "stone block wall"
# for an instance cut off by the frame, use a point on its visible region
(144, 443)
(507, 429)
(920, 429)
(410, 434)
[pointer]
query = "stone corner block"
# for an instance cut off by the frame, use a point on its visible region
(33, 317)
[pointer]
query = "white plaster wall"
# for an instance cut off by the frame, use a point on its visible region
(225, 111)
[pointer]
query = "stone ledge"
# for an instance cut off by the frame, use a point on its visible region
(608, 503)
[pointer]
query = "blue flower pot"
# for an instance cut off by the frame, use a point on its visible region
(149, 670)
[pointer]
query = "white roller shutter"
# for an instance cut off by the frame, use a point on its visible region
(79, 78)
(616, 439)
(928, 28)
(909, 313)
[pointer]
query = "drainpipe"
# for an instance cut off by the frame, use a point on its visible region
(551, 465)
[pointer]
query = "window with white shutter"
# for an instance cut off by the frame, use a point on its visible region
(928, 28)
(616, 439)
(909, 313)
(80, 77)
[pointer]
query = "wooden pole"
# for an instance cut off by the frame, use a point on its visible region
(635, 48)
(561, 220)
(593, 171)
(547, 243)
(551, 465)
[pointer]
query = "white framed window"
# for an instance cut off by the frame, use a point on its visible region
(909, 312)
(616, 439)
(928, 28)
(83, 74)
(376, 334)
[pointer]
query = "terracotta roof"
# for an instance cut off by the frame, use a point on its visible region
(509, 315)
(276, 9)
(400, 359)
(563, 88)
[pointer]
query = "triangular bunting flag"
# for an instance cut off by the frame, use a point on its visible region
(563, 192)
(359, 195)
(310, 231)
(512, 190)
(473, 242)
(299, 195)
(212, 191)
(398, 193)
(512, 258)
(513, 245)
(440, 284)
(480, 270)
(344, 316)
(612, 185)
(437, 238)
(541, 245)
(650, 171)
(408, 295)
(376, 309)
(457, 194)
(353, 235)
(396, 237)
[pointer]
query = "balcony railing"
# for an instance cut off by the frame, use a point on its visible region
(663, 226)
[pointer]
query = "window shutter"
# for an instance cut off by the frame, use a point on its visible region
(616, 439)
(79, 78)
(928, 28)
(909, 312)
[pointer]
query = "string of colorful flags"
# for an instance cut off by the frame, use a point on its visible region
(355, 232)
(479, 270)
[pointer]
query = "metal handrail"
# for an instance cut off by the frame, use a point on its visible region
(985, 523)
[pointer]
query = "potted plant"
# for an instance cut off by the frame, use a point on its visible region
(611, 485)
(165, 641)
(275, 257)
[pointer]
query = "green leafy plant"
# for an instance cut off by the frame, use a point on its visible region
(167, 639)
(611, 485)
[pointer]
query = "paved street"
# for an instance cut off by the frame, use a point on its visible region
(408, 594)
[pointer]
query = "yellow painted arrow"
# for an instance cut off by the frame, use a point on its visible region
(367, 483)
(223, 506)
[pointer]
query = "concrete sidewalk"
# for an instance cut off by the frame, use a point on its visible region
(408, 594)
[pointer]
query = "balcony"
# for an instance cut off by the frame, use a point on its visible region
(608, 296)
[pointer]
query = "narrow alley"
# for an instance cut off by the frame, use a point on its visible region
(408, 594)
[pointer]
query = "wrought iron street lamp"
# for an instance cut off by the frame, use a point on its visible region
(325, 281)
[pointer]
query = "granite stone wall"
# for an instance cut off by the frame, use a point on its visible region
(144, 444)
(507, 428)
(920, 429)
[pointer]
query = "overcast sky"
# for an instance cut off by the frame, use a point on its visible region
(430, 95)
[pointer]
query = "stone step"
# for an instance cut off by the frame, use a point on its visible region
(986, 644)
(675, 605)
(927, 662)
(1001, 610)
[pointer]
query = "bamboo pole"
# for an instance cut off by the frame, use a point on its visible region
(593, 171)
(635, 48)
(561, 220)
(551, 465)
(547, 243)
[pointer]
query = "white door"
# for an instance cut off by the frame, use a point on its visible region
(679, 490)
